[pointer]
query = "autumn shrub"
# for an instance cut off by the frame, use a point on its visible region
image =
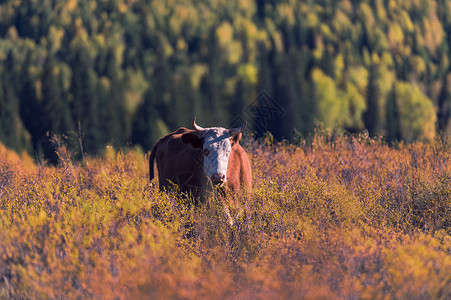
(336, 216)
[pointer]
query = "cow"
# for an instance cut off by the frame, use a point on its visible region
(194, 160)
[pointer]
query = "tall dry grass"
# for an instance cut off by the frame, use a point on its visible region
(336, 217)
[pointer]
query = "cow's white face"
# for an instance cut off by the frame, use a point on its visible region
(216, 144)
(216, 151)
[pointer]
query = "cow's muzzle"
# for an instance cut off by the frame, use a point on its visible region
(218, 179)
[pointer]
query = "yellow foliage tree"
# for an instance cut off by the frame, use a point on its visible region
(416, 112)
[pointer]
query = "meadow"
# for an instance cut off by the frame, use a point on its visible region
(332, 217)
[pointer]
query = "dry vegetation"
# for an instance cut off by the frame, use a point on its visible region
(336, 217)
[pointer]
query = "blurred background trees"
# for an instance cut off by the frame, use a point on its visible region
(120, 71)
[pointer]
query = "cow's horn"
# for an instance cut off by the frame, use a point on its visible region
(239, 129)
(197, 127)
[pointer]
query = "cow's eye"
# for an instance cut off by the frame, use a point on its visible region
(206, 152)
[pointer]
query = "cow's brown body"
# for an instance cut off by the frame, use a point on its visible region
(239, 170)
(181, 165)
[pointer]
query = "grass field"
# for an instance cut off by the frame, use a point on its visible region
(334, 218)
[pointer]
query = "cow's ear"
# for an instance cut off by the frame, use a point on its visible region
(193, 139)
(236, 138)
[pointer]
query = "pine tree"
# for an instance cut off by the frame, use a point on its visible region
(392, 117)
(371, 116)
(85, 104)
(56, 113)
(212, 84)
(11, 134)
(10, 125)
(31, 111)
(114, 116)
(306, 105)
(145, 131)
(182, 100)
(265, 69)
(444, 104)
(270, 108)
(54, 103)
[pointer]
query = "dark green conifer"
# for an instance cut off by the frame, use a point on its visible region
(371, 116)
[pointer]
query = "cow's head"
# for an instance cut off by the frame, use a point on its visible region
(216, 144)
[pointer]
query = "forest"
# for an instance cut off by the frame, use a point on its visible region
(123, 72)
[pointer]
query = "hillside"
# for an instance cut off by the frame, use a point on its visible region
(340, 217)
(112, 72)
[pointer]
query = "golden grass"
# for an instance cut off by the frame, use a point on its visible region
(338, 217)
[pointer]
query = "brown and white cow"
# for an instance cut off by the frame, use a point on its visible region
(194, 159)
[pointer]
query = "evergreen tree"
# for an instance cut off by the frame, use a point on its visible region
(148, 126)
(85, 104)
(392, 117)
(212, 84)
(31, 110)
(11, 130)
(265, 69)
(12, 133)
(25, 13)
(287, 98)
(55, 106)
(444, 104)
(182, 101)
(304, 105)
(114, 116)
(56, 113)
(272, 112)
(371, 116)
